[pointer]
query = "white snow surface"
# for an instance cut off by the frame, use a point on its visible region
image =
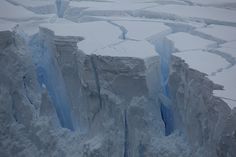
(203, 61)
(226, 33)
(213, 2)
(227, 79)
(135, 29)
(102, 38)
(228, 48)
(97, 35)
(112, 6)
(184, 41)
(137, 49)
(33, 3)
(230, 44)
(11, 12)
(196, 12)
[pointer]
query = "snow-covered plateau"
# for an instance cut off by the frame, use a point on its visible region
(118, 78)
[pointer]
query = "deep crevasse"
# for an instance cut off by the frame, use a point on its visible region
(61, 7)
(164, 49)
(49, 76)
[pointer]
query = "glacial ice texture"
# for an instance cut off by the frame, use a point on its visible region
(49, 76)
(61, 7)
(101, 78)
(164, 48)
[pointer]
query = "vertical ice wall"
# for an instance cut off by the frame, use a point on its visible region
(164, 48)
(61, 7)
(49, 76)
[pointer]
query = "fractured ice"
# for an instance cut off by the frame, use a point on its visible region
(61, 7)
(108, 79)
(164, 49)
(50, 76)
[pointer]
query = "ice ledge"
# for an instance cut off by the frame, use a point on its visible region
(91, 33)
(58, 38)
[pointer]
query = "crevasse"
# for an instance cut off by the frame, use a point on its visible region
(164, 49)
(49, 75)
(61, 7)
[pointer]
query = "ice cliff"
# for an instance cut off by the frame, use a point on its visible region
(110, 105)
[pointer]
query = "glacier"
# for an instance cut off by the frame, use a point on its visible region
(127, 78)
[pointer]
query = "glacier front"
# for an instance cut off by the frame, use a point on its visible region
(128, 78)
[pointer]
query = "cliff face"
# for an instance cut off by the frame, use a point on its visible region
(110, 100)
(226, 144)
(23, 105)
(58, 101)
(200, 115)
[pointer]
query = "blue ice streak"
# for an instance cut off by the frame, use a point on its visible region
(164, 50)
(61, 7)
(49, 75)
